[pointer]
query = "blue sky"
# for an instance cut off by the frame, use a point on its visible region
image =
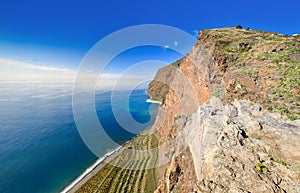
(59, 33)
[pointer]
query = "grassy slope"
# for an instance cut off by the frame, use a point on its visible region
(270, 60)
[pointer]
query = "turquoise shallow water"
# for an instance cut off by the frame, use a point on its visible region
(40, 147)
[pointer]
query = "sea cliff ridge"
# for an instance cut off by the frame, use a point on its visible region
(229, 121)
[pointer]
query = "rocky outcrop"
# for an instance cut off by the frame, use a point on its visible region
(230, 114)
(239, 147)
(229, 121)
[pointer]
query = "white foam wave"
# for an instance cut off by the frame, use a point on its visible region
(153, 101)
(89, 170)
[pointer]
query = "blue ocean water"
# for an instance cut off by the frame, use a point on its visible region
(40, 147)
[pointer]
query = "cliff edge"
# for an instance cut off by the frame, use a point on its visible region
(229, 122)
(230, 114)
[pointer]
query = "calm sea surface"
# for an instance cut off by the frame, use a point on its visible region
(40, 147)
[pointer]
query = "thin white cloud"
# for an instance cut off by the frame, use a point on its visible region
(167, 46)
(175, 43)
(11, 70)
(4, 61)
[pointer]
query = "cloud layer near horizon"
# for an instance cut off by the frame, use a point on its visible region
(12, 70)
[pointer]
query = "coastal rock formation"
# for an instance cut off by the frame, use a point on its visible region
(229, 121)
(230, 114)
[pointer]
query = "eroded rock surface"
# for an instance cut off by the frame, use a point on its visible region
(230, 114)
(229, 121)
(240, 147)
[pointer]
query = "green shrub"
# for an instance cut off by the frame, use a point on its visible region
(292, 118)
(155, 99)
(280, 161)
(239, 27)
(261, 168)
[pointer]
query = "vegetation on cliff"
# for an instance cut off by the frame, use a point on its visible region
(133, 176)
(263, 67)
(230, 110)
(235, 146)
(270, 62)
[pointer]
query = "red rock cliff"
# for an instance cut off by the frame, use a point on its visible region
(217, 114)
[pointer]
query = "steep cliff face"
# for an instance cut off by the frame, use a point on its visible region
(230, 114)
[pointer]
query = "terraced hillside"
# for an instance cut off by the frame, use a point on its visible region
(133, 175)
